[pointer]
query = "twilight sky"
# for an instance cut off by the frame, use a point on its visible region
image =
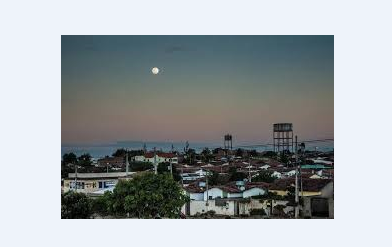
(207, 86)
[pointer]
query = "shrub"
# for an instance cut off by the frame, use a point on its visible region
(257, 211)
(75, 206)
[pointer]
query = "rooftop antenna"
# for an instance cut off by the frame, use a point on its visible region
(144, 148)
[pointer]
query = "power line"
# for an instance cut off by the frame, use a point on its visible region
(271, 144)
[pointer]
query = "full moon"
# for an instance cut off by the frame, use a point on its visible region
(155, 70)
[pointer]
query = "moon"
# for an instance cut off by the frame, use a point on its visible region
(155, 70)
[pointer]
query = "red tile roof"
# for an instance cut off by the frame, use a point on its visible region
(164, 155)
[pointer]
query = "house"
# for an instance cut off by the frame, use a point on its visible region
(255, 189)
(277, 174)
(310, 187)
(290, 173)
(93, 182)
(160, 157)
(264, 167)
(322, 204)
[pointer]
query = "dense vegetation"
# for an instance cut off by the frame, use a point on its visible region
(145, 196)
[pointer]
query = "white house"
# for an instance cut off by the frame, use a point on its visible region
(290, 173)
(255, 191)
(265, 167)
(277, 174)
(223, 192)
(160, 157)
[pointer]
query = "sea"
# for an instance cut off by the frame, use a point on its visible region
(101, 150)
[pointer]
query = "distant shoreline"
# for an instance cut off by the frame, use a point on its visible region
(101, 150)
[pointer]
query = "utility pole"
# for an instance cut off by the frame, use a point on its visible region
(250, 176)
(171, 165)
(76, 177)
(300, 167)
(206, 188)
(296, 178)
(126, 163)
(155, 161)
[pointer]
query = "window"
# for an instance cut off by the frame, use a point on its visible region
(99, 184)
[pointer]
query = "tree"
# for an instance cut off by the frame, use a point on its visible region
(269, 154)
(253, 153)
(148, 196)
(75, 206)
(163, 167)
(84, 160)
(239, 152)
(101, 205)
(70, 158)
(138, 166)
(213, 178)
(236, 176)
(264, 176)
(190, 156)
(206, 155)
(119, 152)
(283, 158)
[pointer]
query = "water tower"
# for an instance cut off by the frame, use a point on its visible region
(283, 137)
(228, 142)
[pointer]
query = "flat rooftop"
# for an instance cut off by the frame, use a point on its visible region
(100, 175)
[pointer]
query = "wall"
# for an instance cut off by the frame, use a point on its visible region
(229, 209)
(253, 192)
(214, 192)
(201, 207)
(89, 185)
(196, 196)
(234, 195)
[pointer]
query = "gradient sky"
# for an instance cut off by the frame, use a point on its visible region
(207, 86)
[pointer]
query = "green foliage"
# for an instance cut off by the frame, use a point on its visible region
(138, 166)
(279, 209)
(101, 205)
(70, 158)
(75, 206)
(253, 153)
(264, 176)
(213, 178)
(236, 176)
(269, 196)
(164, 167)
(269, 154)
(257, 211)
(119, 152)
(190, 156)
(239, 152)
(148, 196)
(283, 158)
(206, 155)
(84, 160)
